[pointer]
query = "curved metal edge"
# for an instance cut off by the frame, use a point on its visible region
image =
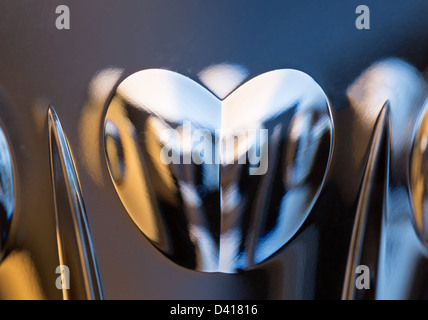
(65, 180)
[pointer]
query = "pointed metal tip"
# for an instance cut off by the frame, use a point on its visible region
(52, 118)
(364, 213)
(384, 112)
(74, 238)
(51, 112)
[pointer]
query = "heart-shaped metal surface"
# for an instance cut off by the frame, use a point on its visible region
(218, 186)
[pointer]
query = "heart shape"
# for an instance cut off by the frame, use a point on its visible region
(218, 185)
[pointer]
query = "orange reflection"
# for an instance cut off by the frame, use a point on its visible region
(89, 133)
(19, 279)
(418, 176)
(134, 192)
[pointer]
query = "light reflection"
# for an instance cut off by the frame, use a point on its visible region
(172, 97)
(419, 176)
(399, 85)
(223, 78)
(74, 239)
(99, 90)
(19, 279)
(206, 214)
(137, 190)
(7, 191)
(391, 80)
(400, 250)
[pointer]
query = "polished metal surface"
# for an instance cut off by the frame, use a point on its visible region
(155, 226)
(215, 206)
(7, 191)
(419, 174)
(365, 241)
(75, 248)
(390, 246)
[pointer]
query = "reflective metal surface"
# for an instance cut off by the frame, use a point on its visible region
(369, 209)
(213, 207)
(390, 245)
(7, 191)
(419, 175)
(75, 248)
